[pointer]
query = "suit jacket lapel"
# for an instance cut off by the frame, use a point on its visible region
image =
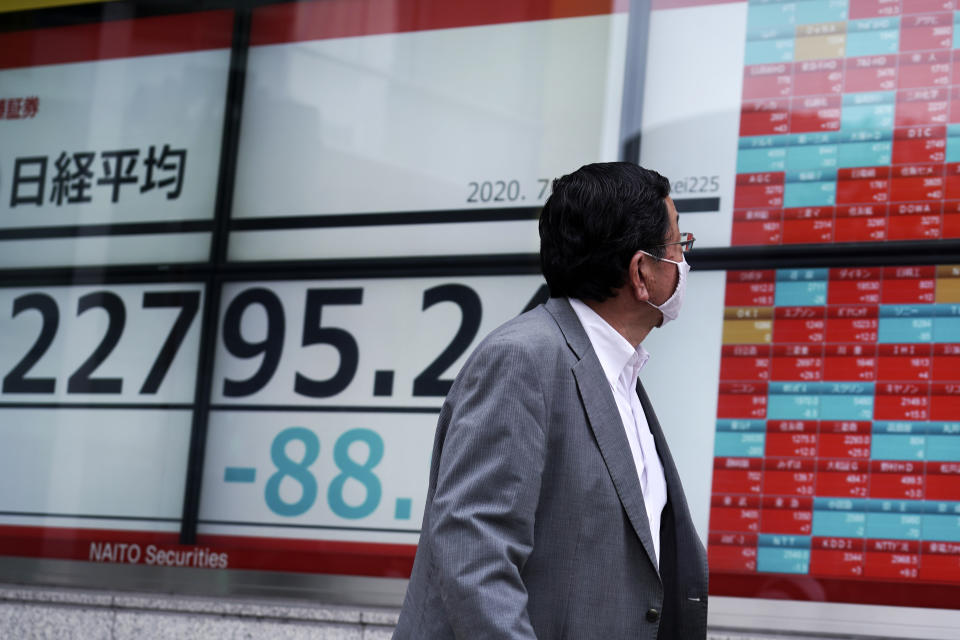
(604, 419)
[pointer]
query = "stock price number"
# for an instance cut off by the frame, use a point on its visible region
(317, 468)
(358, 342)
(66, 341)
(361, 472)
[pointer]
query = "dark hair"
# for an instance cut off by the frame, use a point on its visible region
(594, 221)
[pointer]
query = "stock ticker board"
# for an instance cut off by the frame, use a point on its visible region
(837, 450)
(850, 122)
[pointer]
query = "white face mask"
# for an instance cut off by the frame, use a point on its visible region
(671, 308)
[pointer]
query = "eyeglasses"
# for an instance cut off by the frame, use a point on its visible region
(685, 242)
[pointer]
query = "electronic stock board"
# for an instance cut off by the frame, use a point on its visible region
(836, 402)
(436, 133)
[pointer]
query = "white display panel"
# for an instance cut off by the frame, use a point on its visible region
(120, 135)
(393, 122)
(116, 468)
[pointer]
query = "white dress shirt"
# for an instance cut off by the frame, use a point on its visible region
(621, 365)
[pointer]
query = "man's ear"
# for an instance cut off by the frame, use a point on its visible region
(636, 282)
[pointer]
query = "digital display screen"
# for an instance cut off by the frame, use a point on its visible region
(375, 177)
(833, 121)
(837, 443)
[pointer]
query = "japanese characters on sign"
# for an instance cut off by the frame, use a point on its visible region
(19, 108)
(74, 178)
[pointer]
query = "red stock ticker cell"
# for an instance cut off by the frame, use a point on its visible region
(854, 286)
(846, 362)
(750, 294)
(797, 362)
(924, 69)
(942, 480)
(735, 513)
(952, 173)
(904, 362)
(922, 106)
(852, 323)
(815, 113)
(738, 475)
(818, 77)
(917, 146)
(789, 483)
(732, 552)
(845, 478)
(908, 285)
(901, 401)
(896, 479)
(757, 226)
(847, 561)
(853, 330)
(861, 223)
(925, 32)
(944, 401)
(799, 324)
(750, 288)
(941, 561)
(863, 185)
(759, 191)
(921, 182)
(765, 117)
(786, 515)
(946, 362)
(870, 73)
(768, 81)
(741, 405)
(803, 225)
(794, 445)
(745, 363)
(896, 559)
(728, 558)
(915, 221)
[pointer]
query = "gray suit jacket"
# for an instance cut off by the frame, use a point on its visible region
(534, 523)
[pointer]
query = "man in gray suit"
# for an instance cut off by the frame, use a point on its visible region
(554, 509)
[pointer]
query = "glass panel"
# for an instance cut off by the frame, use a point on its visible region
(111, 140)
